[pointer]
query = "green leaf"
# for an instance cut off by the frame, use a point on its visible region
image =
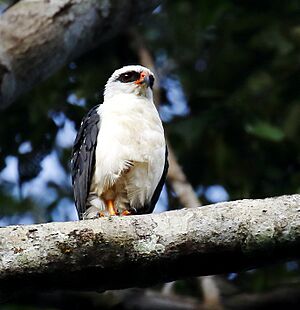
(265, 131)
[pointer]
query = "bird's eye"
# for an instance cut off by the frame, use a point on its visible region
(130, 76)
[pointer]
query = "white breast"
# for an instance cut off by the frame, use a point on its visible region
(130, 130)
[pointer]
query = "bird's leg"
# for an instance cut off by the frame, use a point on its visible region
(111, 207)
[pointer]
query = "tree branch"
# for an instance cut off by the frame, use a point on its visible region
(119, 252)
(38, 37)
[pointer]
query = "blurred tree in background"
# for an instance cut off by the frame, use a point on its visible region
(229, 73)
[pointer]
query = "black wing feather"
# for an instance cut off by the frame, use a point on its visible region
(83, 158)
(150, 207)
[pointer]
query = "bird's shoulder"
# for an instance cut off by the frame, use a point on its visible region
(86, 137)
(91, 119)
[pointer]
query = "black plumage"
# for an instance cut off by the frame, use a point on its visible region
(83, 158)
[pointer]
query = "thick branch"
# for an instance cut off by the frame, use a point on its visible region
(38, 37)
(119, 252)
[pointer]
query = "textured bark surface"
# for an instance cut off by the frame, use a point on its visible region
(119, 252)
(38, 37)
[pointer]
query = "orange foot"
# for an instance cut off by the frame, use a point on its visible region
(111, 207)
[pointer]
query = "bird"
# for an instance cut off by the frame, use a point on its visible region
(119, 158)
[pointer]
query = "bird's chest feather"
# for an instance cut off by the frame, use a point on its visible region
(129, 131)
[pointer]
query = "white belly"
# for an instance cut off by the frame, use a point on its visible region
(130, 130)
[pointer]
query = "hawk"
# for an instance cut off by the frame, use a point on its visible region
(120, 158)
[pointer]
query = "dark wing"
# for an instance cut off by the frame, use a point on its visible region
(150, 207)
(83, 158)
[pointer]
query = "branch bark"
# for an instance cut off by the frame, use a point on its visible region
(38, 37)
(120, 252)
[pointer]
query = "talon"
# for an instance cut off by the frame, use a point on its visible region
(126, 212)
(100, 214)
(111, 208)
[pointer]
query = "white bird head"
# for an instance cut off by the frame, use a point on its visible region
(134, 79)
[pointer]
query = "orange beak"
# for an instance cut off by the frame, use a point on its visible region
(144, 79)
